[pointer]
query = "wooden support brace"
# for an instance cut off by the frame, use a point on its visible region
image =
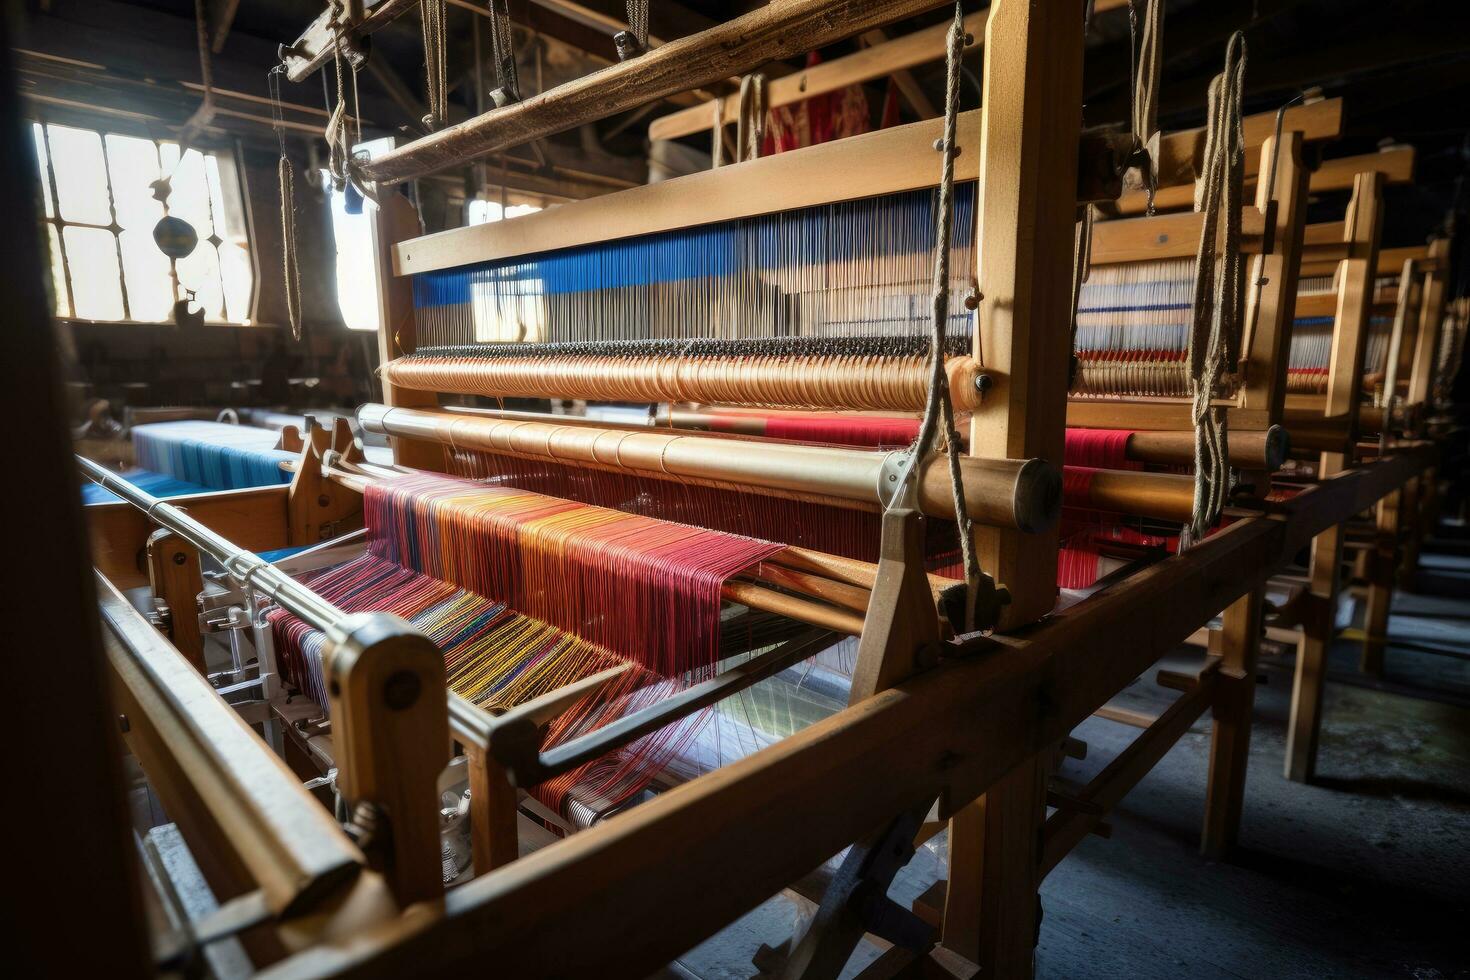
(391, 727)
(493, 834)
(1382, 573)
(173, 571)
(1235, 685)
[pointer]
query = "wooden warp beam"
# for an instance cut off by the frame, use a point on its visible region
(1021, 494)
(567, 910)
(782, 29)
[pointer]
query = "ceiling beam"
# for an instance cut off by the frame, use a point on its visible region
(220, 15)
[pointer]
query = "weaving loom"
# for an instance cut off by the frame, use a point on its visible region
(584, 610)
(213, 455)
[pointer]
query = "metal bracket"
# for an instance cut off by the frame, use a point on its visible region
(897, 480)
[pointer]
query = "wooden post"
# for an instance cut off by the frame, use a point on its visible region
(1344, 395)
(991, 903)
(1382, 569)
(1431, 317)
(397, 220)
(1230, 740)
(390, 722)
(493, 832)
(1265, 371)
(1030, 121)
(319, 508)
(173, 571)
(1418, 510)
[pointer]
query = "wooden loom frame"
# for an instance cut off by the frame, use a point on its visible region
(975, 724)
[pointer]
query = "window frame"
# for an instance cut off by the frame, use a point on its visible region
(234, 190)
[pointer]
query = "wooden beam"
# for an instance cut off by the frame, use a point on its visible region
(1362, 228)
(397, 220)
(779, 30)
(882, 58)
(1431, 319)
(1396, 165)
(1025, 214)
(253, 518)
(875, 163)
(908, 86)
(1180, 151)
(1269, 308)
(1166, 236)
(876, 61)
(320, 39)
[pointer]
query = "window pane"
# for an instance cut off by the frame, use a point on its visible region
(91, 255)
(217, 209)
(133, 164)
(357, 270)
(238, 277)
(189, 198)
(40, 140)
(150, 291)
(58, 274)
(81, 180)
(200, 272)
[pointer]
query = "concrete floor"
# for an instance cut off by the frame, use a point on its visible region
(1365, 873)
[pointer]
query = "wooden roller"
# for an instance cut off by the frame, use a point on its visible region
(1020, 494)
(823, 382)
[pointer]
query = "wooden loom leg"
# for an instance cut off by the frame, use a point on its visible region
(173, 571)
(1415, 510)
(1382, 565)
(1319, 615)
(991, 905)
(492, 813)
(1230, 741)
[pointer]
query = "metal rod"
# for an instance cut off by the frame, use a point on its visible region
(245, 567)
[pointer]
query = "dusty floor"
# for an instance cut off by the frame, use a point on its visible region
(1365, 873)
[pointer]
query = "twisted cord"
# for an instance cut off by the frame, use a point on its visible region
(1215, 330)
(938, 408)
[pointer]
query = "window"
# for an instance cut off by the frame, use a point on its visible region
(357, 267)
(100, 212)
(480, 211)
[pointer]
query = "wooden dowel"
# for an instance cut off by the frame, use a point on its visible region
(850, 570)
(841, 594)
(1249, 450)
(1167, 496)
(802, 610)
(782, 29)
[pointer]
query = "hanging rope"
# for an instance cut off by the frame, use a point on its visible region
(502, 53)
(1146, 50)
(938, 409)
(1081, 269)
(286, 175)
(717, 147)
(435, 88)
(1219, 287)
(750, 128)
